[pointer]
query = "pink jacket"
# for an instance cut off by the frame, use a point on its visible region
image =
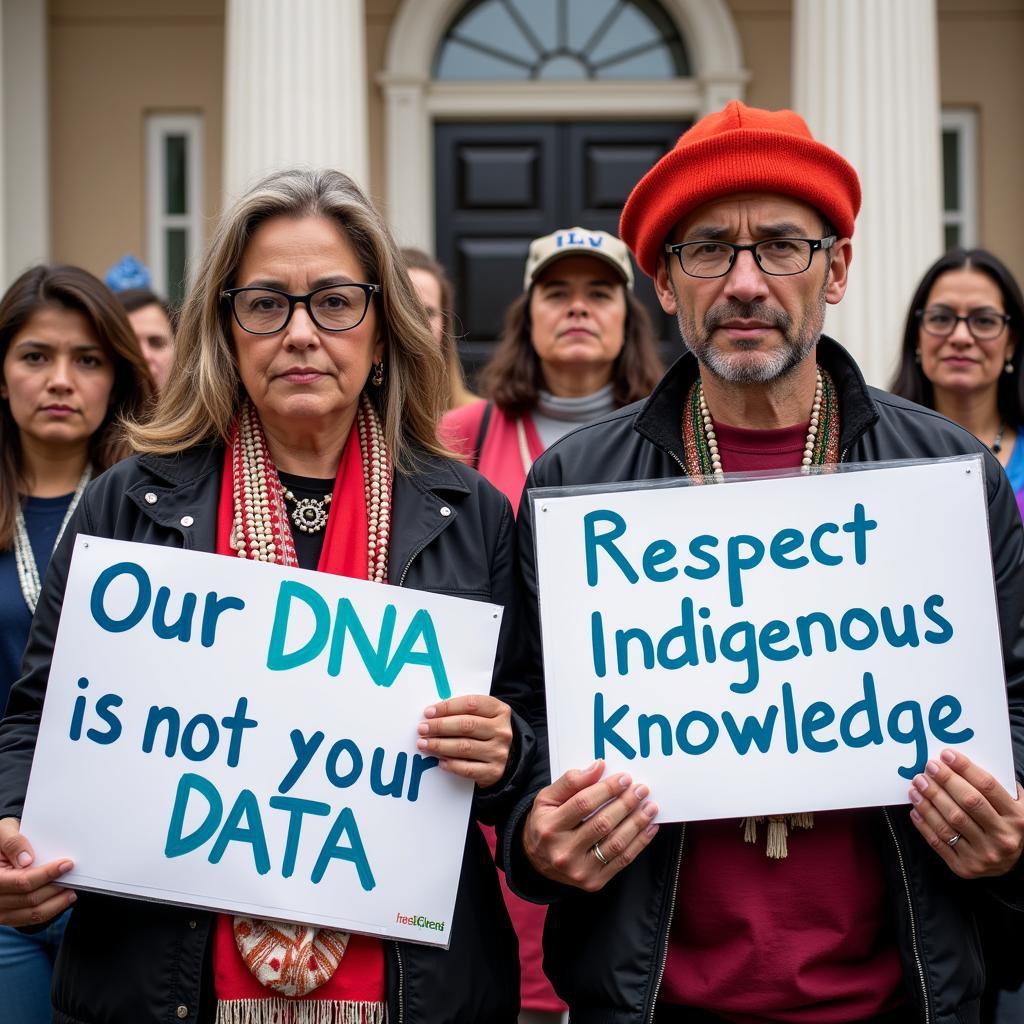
(501, 462)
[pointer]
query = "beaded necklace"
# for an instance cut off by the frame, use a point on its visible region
(703, 462)
(700, 444)
(260, 531)
(260, 527)
(25, 560)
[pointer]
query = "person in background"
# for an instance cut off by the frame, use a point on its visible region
(435, 291)
(959, 358)
(152, 322)
(300, 428)
(960, 352)
(576, 345)
(71, 370)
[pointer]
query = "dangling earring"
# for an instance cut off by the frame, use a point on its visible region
(378, 374)
(1008, 367)
(917, 356)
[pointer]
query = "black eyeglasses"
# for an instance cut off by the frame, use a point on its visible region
(335, 307)
(780, 257)
(983, 324)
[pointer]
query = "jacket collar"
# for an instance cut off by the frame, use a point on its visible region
(188, 482)
(660, 417)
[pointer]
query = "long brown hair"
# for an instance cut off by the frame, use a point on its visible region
(204, 392)
(75, 289)
(417, 259)
(513, 377)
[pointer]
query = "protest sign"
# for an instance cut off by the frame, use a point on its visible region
(777, 645)
(233, 735)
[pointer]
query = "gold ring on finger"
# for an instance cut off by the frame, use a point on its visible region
(599, 855)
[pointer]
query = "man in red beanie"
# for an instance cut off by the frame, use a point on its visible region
(867, 915)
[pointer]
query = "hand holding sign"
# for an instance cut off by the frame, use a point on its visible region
(471, 735)
(577, 815)
(967, 817)
(28, 894)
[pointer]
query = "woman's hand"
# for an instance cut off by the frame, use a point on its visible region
(27, 894)
(471, 736)
(583, 830)
(967, 817)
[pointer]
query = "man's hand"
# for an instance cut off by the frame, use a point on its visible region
(27, 894)
(953, 798)
(471, 735)
(583, 830)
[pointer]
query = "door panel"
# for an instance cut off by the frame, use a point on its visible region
(501, 185)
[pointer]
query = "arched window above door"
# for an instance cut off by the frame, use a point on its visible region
(561, 40)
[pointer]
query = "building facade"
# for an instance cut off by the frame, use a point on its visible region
(478, 124)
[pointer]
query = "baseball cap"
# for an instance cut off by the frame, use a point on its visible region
(577, 241)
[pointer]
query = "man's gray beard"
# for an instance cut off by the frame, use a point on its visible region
(796, 345)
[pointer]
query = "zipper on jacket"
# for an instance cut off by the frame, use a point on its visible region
(412, 558)
(668, 927)
(913, 925)
(401, 984)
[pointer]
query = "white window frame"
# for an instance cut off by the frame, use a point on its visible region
(963, 123)
(158, 127)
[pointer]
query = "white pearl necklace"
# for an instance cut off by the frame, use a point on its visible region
(260, 528)
(25, 560)
(812, 430)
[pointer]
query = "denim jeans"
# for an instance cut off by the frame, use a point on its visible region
(26, 967)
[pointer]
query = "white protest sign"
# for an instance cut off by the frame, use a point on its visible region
(238, 736)
(777, 645)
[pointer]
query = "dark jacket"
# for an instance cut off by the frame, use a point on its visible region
(127, 962)
(605, 952)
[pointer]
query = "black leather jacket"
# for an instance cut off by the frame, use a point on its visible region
(605, 952)
(124, 961)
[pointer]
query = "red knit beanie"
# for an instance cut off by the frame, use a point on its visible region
(738, 149)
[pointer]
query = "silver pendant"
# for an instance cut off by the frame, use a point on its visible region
(310, 515)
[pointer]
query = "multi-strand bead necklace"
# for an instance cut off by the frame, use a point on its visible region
(25, 560)
(260, 528)
(700, 443)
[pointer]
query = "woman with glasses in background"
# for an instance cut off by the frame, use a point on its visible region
(299, 427)
(960, 358)
(959, 352)
(72, 369)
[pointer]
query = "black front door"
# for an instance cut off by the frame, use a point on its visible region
(501, 185)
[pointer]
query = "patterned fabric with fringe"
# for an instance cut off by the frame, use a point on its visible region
(286, 1011)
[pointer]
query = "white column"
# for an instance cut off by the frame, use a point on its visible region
(865, 78)
(295, 89)
(410, 161)
(24, 127)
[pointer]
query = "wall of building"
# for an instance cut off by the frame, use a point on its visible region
(981, 66)
(379, 15)
(111, 63)
(114, 61)
(765, 30)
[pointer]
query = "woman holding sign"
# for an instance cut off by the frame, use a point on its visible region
(299, 428)
(72, 370)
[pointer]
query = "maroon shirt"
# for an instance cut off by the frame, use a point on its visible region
(804, 939)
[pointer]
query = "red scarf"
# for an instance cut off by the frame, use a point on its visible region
(359, 979)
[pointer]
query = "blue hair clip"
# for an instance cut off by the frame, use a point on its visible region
(128, 272)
